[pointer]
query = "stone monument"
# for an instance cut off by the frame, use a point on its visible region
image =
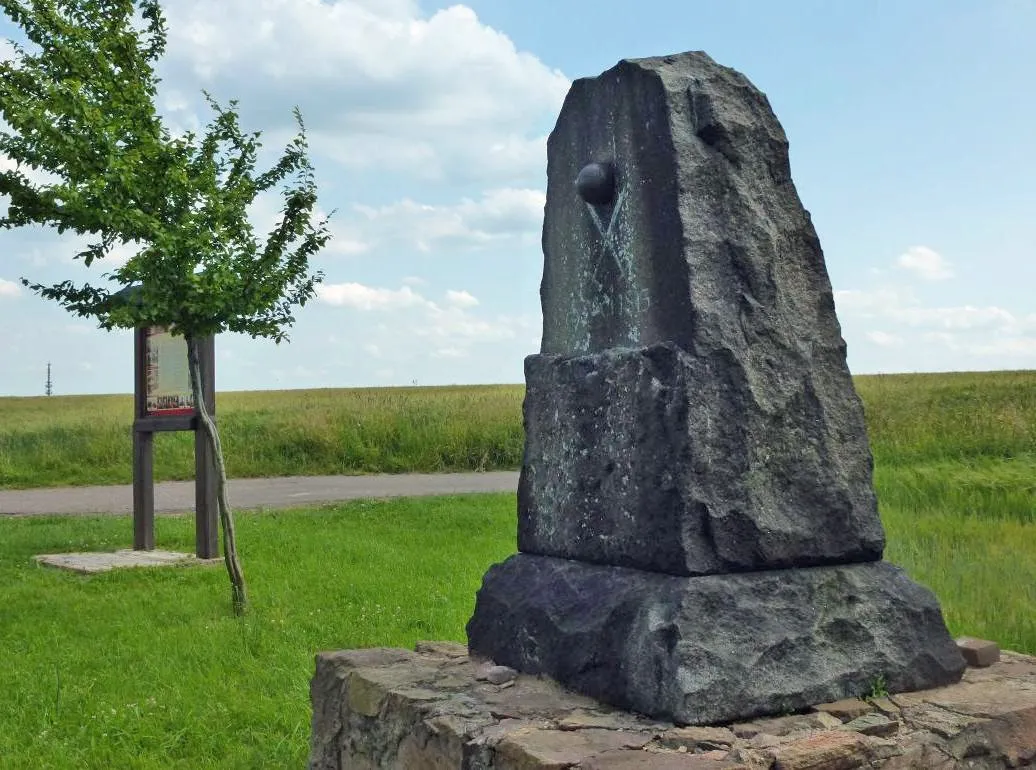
(698, 532)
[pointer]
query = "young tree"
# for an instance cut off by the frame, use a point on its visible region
(80, 106)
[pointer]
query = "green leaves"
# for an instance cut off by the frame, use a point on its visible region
(81, 110)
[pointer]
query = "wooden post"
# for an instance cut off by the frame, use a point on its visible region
(143, 491)
(143, 455)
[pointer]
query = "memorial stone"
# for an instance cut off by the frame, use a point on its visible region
(696, 500)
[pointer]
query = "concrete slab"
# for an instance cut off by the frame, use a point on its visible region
(93, 562)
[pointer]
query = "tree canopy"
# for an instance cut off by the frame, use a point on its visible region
(80, 106)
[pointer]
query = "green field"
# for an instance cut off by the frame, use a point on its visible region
(149, 669)
(74, 440)
(961, 424)
(955, 471)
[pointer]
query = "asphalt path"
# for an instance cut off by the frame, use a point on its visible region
(287, 492)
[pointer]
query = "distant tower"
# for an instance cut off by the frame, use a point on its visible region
(50, 388)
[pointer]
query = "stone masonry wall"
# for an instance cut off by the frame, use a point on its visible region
(438, 709)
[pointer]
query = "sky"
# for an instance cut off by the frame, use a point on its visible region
(913, 145)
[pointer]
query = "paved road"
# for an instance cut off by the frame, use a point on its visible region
(178, 496)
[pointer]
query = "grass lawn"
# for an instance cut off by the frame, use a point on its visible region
(149, 669)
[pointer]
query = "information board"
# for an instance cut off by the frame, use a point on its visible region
(167, 376)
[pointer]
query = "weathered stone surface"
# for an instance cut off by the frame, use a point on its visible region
(925, 756)
(786, 725)
(1021, 668)
(639, 760)
(825, 751)
(873, 724)
(449, 649)
(691, 411)
(937, 720)
(533, 698)
(846, 709)
(1010, 738)
(885, 706)
(646, 458)
(985, 699)
(537, 748)
(609, 720)
(495, 674)
(715, 648)
(702, 176)
(978, 652)
(433, 714)
(705, 738)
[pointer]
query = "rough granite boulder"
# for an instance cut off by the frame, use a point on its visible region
(691, 410)
(704, 650)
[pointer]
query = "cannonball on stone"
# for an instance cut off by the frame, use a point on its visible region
(596, 183)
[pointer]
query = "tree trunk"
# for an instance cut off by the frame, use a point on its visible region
(238, 593)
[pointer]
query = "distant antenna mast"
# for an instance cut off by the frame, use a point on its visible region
(50, 385)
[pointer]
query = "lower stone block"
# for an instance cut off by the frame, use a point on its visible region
(716, 648)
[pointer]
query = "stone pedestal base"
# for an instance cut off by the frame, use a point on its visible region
(716, 648)
(438, 709)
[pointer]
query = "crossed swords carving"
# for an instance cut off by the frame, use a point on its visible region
(608, 238)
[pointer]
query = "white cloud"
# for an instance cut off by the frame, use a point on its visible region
(449, 353)
(1008, 347)
(870, 303)
(453, 325)
(970, 334)
(438, 331)
(902, 307)
(460, 299)
(360, 297)
(884, 339)
(342, 242)
(925, 263)
(505, 211)
(500, 215)
(1000, 345)
(962, 317)
(9, 288)
(381, 84)
(946, 338)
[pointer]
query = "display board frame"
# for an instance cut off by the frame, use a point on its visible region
(160, 405)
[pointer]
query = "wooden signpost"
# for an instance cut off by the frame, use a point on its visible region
(162, 401)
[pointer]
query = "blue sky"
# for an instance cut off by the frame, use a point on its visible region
(912, 144)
